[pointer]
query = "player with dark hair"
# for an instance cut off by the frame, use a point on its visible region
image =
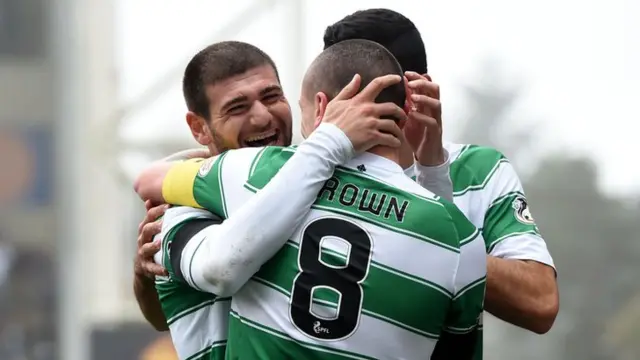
(213, 115)
(325, 294)
(386, 27)
(521, 287)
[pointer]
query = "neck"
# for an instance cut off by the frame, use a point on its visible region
(387, 153)
(406, 155)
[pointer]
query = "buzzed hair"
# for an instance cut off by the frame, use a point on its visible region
(216, 63)
(336, 66)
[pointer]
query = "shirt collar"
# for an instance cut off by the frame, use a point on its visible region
(368, 161)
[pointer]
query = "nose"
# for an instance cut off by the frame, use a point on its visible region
(260, 115)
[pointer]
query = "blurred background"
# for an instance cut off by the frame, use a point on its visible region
(90, 93)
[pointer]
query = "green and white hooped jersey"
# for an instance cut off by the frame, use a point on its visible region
(488, 191)
(198, 321)
(379, 269)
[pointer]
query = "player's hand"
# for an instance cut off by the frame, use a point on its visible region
(144, 264)
(423, 129)
(361, 119)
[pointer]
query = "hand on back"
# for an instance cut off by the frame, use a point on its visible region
(361, 119)
(144, 265)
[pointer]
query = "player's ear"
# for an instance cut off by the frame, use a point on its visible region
(199, 129)
(320, 103)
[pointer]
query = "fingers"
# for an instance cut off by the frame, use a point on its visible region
(387, 110)
(350, 90)
(150, 230)
(156, 212)
(388, 140)
(152, 215)
(146, 262)
(373, 89)
(388, 128)
(421, 85)
(146, 251)
(428, 106)
(424, 121)
(153, 269)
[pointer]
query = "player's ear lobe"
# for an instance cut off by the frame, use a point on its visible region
(198, 126)
(320, 101)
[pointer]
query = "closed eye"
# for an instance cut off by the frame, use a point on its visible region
(271, 98)
(236, 110)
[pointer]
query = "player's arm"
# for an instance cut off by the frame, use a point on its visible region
(148, 184)
(221, 258)
(461, 332)
(149, 303)
(521, 279)
(145, 268)
(433, 178)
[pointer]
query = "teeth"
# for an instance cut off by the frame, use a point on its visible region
(261, 136)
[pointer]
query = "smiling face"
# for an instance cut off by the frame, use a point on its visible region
(246, 110)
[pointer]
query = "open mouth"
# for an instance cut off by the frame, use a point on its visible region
(264, 139)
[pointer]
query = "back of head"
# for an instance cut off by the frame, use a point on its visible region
(216, 63)
(336, 66)
(388, 28)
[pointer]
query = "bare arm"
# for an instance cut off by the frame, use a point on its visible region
(147, 298)
(148, 184)
(523, 293)
(521, 283)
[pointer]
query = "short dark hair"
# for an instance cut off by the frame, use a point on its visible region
(336, 66)
(388, 28)
(215, 63)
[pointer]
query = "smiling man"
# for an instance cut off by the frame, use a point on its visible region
(224, 117)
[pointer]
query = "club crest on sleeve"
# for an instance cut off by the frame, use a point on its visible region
(206, 167)
(521, 211)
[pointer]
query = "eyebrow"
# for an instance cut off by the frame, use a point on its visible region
(269, 89)
(235, 101)
(243, 98)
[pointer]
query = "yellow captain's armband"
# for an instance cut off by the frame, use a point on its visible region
(177, 186)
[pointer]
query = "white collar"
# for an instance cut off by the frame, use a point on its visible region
(373, 162)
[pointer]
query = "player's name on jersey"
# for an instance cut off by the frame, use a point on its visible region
(349, 192)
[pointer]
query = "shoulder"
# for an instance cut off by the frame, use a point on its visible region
(474, 167)
(477, 157)
(266, 165)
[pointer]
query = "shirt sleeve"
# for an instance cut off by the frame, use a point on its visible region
(174, 237)
(435, 178)
(470, 278)
(221, 258)
(509, 229)
(207, 183)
